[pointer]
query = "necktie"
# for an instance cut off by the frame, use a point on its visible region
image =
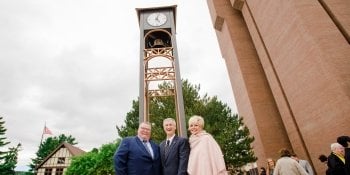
(147, 148)
(167, 146)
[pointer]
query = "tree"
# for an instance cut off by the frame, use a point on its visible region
(8, 159)
(49, 145)
(96, 162)
(237, 147)
(227, 128)
(131, 122)
(3, 141)
(161, 108)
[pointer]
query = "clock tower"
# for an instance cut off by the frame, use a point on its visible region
(159, 62)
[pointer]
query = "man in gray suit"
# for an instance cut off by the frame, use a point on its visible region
(174, 150)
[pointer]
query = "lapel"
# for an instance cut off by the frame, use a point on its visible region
(162, 149)
(142, 146)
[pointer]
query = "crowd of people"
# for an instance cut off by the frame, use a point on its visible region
(337, 163)
(175, 155)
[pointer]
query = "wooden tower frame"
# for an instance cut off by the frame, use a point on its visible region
(158, 42)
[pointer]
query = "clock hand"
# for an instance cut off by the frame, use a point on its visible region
(157, 18)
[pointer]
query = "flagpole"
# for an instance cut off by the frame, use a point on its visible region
(42, 135)
(41, 141)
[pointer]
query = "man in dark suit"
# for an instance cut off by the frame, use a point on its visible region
(138, 155)
(336, 160)
(174, 150)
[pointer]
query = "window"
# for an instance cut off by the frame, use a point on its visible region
(59, 171)
(48, 171)
(60, 160)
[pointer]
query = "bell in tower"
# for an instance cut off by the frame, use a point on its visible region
(158, 43)
(158, 39)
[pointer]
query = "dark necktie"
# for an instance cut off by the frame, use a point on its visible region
(147, 148)
(167, 146)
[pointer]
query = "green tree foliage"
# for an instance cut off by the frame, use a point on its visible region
(49, 145)
(237, 147)
(96, 162)
(8, 159)
(131, 122)
(7, 167)
(227, 128)
(3, 141)
(161, 108)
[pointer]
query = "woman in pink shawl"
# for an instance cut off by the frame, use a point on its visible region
(206, 157)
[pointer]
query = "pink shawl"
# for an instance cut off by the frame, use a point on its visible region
(206, 157)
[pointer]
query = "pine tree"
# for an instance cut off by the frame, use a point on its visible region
(8, 159)
(236, 144)
(3, 141)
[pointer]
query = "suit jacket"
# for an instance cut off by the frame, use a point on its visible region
(132, 158)
(176, 159)
(335, 165)
(306, 165)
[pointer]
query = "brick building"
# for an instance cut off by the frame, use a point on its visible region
(289, 67)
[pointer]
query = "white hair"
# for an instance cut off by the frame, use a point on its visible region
(334, 146)
(196, 119)
(169, 120)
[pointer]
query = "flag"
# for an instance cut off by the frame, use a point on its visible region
(47, 130)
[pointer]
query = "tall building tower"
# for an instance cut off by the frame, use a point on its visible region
(289, 67)
(159, 62)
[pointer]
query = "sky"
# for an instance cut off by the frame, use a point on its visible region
(74, 65)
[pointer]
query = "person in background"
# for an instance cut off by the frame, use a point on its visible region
(138, 154)
(174, 150)
(206, 157)
(287, 166)
(323, 158)
(303, 163)
(343, 140)
(262, 171)
(270, 166)
(336, 160)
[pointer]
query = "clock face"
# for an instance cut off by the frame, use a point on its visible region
(156, 19)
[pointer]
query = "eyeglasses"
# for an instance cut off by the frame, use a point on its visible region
(147, 129)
